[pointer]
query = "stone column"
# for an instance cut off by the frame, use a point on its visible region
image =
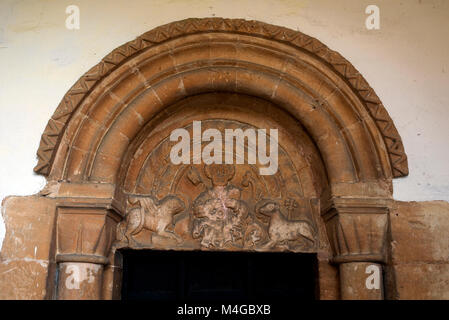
(85, 232)
(80, 281)
(361, 281)
(357, 230)
(112, 277)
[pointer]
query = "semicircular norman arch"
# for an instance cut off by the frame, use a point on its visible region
(105, 151)
(91, 130)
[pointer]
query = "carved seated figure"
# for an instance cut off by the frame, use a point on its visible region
(237, 219)
(209, 222)
(218, 213)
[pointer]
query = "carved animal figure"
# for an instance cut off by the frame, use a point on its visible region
(156, 216)
(281, 230)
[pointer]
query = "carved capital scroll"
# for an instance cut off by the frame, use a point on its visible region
(357, 229)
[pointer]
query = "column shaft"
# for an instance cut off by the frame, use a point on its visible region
(80, 281)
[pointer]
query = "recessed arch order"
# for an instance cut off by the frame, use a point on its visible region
(99, 117)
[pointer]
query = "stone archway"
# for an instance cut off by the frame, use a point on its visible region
(103, 152)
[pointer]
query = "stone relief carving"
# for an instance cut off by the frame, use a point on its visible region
(148, 213)
(282, 230)
(219, 214)
(219, 218)
(217, 206)
(223, 219)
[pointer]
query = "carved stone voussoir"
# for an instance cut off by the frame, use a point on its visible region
(357, 229)
(51, 137)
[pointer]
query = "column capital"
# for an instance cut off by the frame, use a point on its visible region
(357, 229)
(85, 231)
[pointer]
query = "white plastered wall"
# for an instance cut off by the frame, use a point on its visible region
(406, 62)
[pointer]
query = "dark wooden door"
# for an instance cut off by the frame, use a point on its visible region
(217, 276)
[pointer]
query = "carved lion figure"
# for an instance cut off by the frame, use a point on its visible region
(149, 213)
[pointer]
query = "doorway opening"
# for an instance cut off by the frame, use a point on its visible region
(198, 276)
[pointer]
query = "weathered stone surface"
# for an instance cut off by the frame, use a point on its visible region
(85, 233)
(357, 229)
(80, 281)
(106, 153)
(29, 226)
(26, 253)
(328, 279)
(420, 232)
(151, 41)
(422, 281)
(23, 279)
(112, 278)
(361, 281)
(420, 250)
(85, 230)
(129, 94)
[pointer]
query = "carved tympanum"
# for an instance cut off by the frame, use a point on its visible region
(217, 206)
(222, 217)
